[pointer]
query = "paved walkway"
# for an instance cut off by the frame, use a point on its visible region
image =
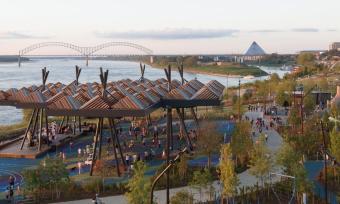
(245, 178)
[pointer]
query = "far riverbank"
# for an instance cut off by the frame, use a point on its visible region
(225, 70)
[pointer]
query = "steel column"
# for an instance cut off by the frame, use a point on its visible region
(114, 146)
(95, 147)
(28, 128)
(117, 140)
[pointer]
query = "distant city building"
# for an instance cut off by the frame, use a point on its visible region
(255, 50)
(314, 52)
(254, 53)
(334, 46)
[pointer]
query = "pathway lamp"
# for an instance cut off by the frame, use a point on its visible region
(171, 163)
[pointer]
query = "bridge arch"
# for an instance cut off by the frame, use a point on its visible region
(48, 44)
(85, 51)
(125, 44)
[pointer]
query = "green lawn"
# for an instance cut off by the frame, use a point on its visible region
(230, 69)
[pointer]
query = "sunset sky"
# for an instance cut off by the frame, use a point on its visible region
(171, 27)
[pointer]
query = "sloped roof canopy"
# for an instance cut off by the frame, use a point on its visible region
(121, 98)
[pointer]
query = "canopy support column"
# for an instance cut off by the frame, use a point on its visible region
(74, 125)
(46, 125)
(35, 123)
(100, 138)
(79, 123)
(61, 124)
(195, 116)
(117, 140)
(181, 120)
(167, 149)
(95, 147)
(40, 127)
(28, 128)
(113, 135)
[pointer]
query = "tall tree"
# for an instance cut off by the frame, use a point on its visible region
(138, 186)
(305, 59)
(228, 176)
(201, 180)
(241, 142)
(335, 144)
(261, 160)
(182, 167)
(282, 97)
(291, 161)
(208, 140)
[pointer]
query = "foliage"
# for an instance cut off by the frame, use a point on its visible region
(282, 97)
(310, 141)
(209, 140)
(294, 116)
(305, 59)
(288, 157)
(261, 160)
(277, 60)
(226, 168)
(291, 160)
(138, 186)
(12, 131)
(335, 144)
(182, 167)
(201, 180)
(190, 61)
(247, 95)
(51, 174)
(104, 168)
(241, 142)
(182, 197)
(236, 106)
(308, 103)
(274, 78)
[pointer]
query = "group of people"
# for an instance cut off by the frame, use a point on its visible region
(47, 137)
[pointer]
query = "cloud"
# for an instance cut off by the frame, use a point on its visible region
(20, 35)
(170, 34)
(306, 30)
(266, 31)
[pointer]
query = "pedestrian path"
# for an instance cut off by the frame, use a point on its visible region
(246, 179)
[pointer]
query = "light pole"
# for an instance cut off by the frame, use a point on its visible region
(171, 163)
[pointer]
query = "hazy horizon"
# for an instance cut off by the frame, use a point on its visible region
(171, 27)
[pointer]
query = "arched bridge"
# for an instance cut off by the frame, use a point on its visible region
(84, 51)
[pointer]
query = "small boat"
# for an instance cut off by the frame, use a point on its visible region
(249, 77)
(286, 68)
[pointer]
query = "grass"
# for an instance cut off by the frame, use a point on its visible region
(226, 68)
(230, 69)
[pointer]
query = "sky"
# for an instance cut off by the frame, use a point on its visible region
(172, 26)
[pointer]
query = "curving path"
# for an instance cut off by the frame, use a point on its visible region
(245, 178)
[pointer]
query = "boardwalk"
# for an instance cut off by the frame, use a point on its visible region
(13, 150)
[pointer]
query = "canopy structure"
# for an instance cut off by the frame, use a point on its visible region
(113, 99)
(122, 98)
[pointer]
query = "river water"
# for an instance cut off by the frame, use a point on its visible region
(11, 76)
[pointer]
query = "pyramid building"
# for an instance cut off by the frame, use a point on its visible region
(255, 50)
